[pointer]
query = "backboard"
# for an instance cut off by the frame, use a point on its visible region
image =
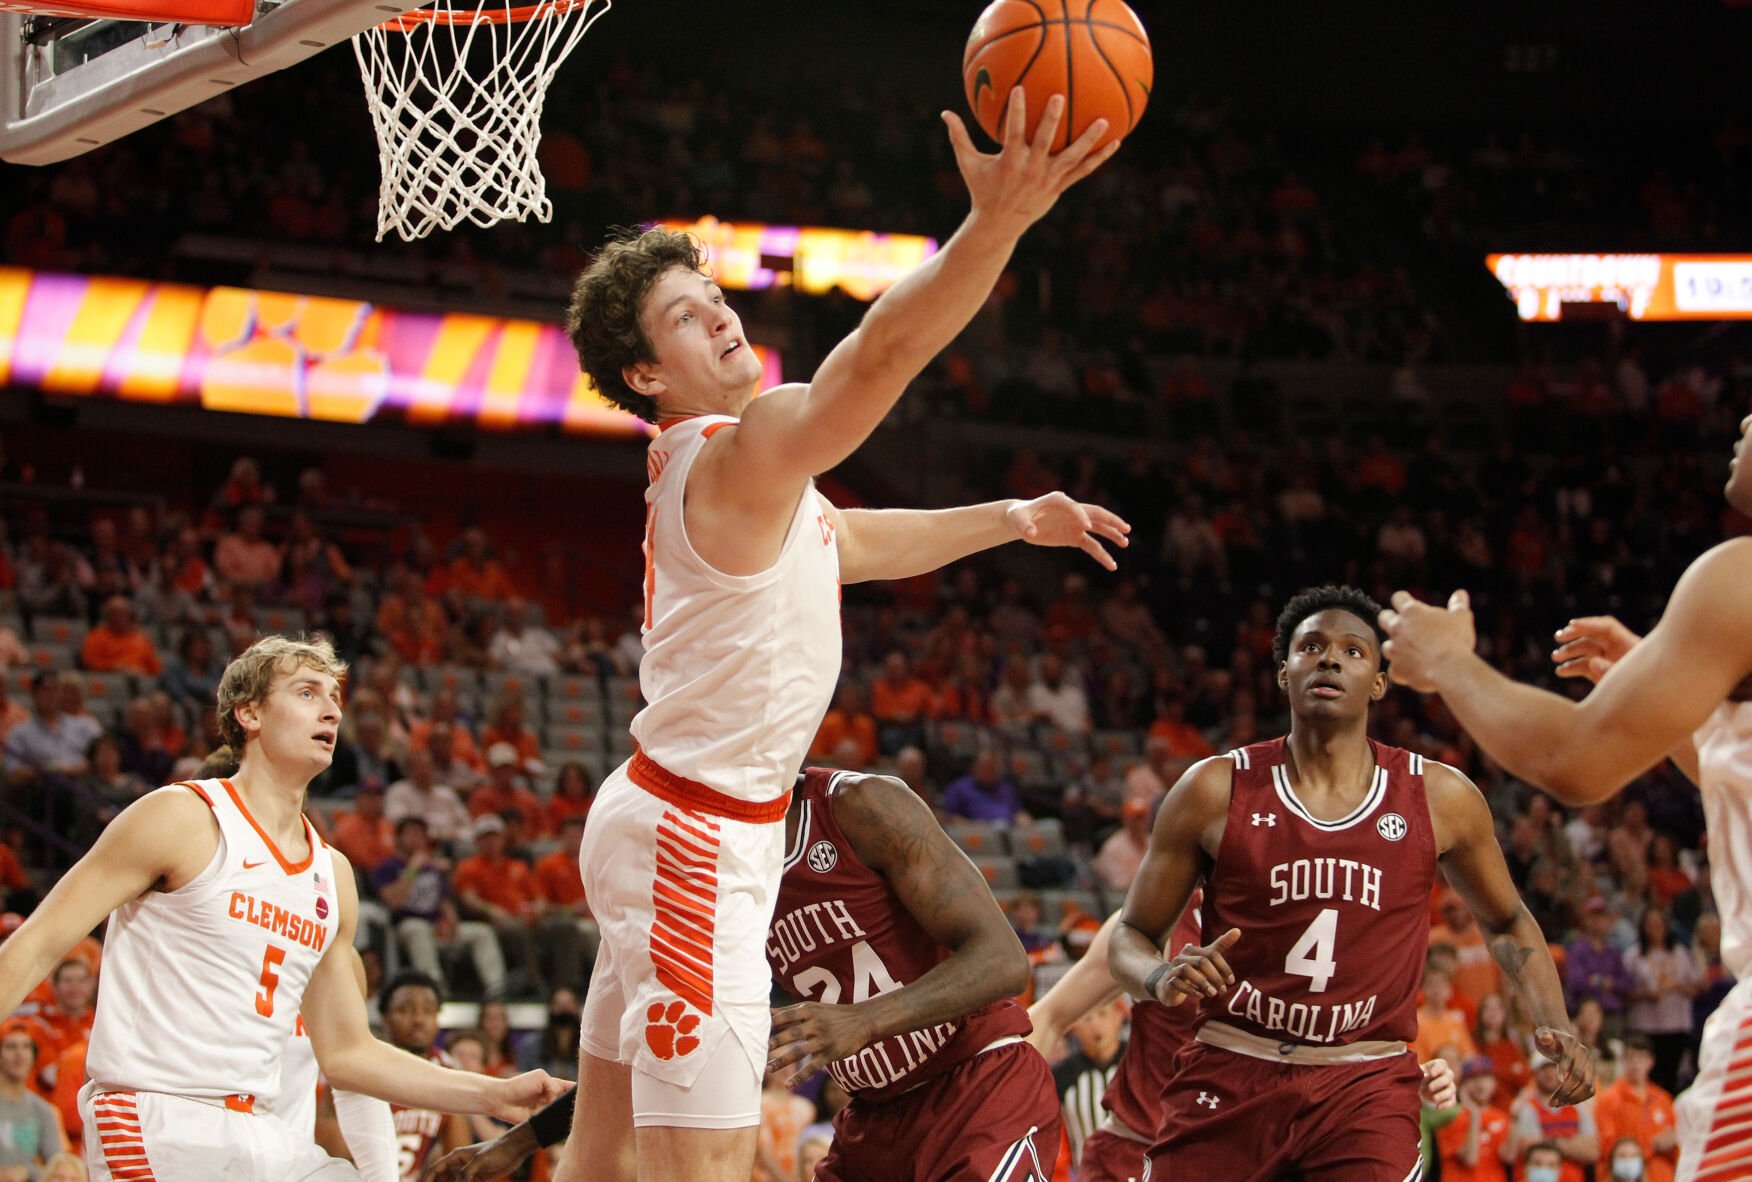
(68, 85)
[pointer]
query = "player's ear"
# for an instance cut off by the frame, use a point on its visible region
(1378, 687)
(641, 379)
(1283, 676)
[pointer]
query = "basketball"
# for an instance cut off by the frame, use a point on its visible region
(1094, 52)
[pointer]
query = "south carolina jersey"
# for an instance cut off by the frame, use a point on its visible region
(417, 1130)
(738, 669)
(1134, 1095)
(1724, 765)
(840, 935)
(1334, 915)
(202, 985)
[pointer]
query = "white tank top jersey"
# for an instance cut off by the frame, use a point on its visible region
(296, 1102)
(738, 669)
(202, 985)
(1724, 765)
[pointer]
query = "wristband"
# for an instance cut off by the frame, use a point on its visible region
(1155, 979)
(553, 1124)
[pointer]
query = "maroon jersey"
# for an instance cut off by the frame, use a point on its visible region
(840, 935)
(1134, 1095)
(1334, 915)
(417, 1129)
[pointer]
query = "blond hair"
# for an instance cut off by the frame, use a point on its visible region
(249, 677)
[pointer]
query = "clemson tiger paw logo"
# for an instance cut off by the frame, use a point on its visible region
(669, 1030)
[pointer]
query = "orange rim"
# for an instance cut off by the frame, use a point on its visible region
(484, 15)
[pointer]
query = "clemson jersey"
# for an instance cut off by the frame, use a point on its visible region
(738, 669)
(202, 985)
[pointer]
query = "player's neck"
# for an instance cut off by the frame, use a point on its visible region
(1330, 758)
(275, 798)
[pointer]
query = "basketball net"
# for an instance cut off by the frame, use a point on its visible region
(456, 92)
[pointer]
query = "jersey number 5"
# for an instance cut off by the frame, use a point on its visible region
(1311, 955)
(272, 959)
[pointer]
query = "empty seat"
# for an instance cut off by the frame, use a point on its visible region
(1000, 873)
(63, 630)
(574, 687)
(978, 838)
(574, 711)
(1037, 839)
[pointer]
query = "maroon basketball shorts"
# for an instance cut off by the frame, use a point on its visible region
(1109, 1157)
(994, 1118)
(1231, 1116)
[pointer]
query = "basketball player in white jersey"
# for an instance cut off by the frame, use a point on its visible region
(228, 916)
(744, 560)
(1686, 691)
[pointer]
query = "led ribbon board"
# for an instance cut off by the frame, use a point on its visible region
(1644, 286)
(294, 356)
(751, 256)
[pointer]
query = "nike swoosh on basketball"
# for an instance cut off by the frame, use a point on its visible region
(249, 865)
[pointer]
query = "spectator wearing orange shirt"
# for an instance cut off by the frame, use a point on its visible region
(363, 832)
(445, 709)
(1637, 1108)
(69, 1071)
(1475, 1146)
(1439, 1023)
(243, 557)
(118, 644)
(505, 725)
(1498, 1041)
(498, 888)
(848, 720)
(66, 1020)
(570, 797)
(452, 769)
(184, 567)
(901, 703)
(561, 887)
(1185, 741)
(503, 790)
(475, 573)
(1476, 975)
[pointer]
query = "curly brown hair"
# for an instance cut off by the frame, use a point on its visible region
(603, 317)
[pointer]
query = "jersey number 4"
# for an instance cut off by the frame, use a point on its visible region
(272, 959)
(1311, 955)
(870, 978)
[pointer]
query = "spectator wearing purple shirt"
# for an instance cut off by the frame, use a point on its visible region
(983, 794)
(1594, 969)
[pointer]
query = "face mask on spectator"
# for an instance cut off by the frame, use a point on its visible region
(1626, 1170)
(1542, 1173)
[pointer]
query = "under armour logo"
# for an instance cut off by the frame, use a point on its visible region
(1208, 1100)
(1264, 819)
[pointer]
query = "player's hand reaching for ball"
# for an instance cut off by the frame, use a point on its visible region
(1590, 645)
(810, 1035)
(522, 1094)
(485, 1161)
(1575, 1063)
(1057, 520)
(1014, 187)
(1421, 637)
(1198, 971)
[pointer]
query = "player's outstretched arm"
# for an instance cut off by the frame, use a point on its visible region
(1646, 704)
(355, 1061)
(901, 543)
(1085, 985)
(1473, 861)
(149, 844)
(1590, 645)
(893, 833)
(1189, 829)
(797, 432)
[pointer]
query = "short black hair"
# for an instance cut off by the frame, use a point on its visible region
(1326, 597)
(409, 979)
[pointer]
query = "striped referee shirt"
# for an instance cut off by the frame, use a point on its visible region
(1080, 1083)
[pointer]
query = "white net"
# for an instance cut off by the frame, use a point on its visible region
(456, 91)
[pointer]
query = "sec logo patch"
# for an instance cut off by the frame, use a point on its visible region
(822, 857)
(1392, 827)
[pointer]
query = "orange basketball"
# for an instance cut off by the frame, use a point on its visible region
(1094, 52)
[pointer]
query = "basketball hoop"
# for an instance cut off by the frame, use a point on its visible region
(456, 92)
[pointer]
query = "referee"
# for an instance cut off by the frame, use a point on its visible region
(1082, 1076)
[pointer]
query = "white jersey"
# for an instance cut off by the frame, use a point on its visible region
(1724, 765)
(296, 1102)
(738, 669)
(202, 985)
